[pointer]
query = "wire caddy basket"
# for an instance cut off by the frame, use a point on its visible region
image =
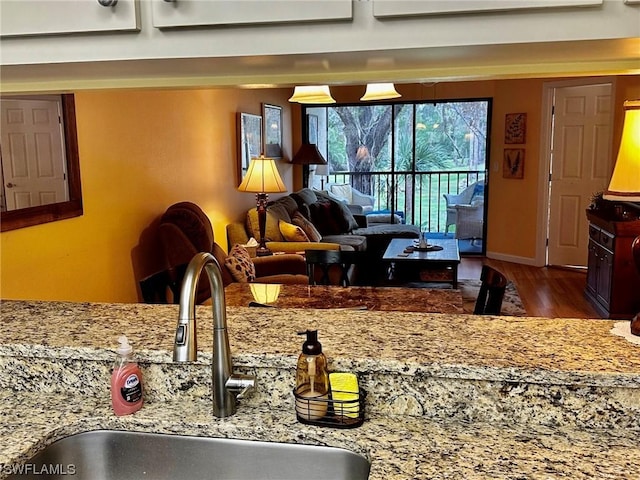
(329, 412)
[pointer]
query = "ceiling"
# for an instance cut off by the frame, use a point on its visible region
(522, 60)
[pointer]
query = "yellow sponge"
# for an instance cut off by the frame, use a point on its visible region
(344, 393)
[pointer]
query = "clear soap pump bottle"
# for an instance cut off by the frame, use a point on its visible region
(312, 379)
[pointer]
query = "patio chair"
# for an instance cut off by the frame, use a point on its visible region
(470, 221)
(472, 193)
(351, 196)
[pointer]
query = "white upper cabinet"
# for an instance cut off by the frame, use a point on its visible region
(48, 17)
(189, 13)
(396, 8)
(246, 42)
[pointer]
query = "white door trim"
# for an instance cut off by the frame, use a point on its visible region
(545, 155)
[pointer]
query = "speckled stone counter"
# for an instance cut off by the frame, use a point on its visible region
(449, 396)
(389, 299)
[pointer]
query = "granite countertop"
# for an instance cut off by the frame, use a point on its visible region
(449, 396)
(399, 448)
(394, 341)
(390, 299)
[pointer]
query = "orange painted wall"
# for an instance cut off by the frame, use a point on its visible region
(140, 151)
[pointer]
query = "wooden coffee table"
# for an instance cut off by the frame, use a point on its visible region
(404, 266)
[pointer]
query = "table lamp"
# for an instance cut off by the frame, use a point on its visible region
(625, 180)
(262, 178)
(322, 171)
(308, 154)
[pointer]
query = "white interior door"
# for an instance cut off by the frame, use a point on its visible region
(33, 158)
(580, 167)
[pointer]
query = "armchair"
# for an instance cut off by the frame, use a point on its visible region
(471, 194)
(186, 230)
(352, 196)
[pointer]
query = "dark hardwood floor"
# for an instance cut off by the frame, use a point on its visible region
(545, 291)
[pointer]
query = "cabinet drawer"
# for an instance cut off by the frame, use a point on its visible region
(45, 17)
(393, 8)
(594, 233)
(196, 13)
(606, 240)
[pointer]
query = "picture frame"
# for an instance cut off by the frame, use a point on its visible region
(513, 164)
(312, 128)
(272, 131)
(249, 140)
(515, 128)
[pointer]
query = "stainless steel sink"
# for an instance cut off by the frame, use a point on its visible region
(105, 454)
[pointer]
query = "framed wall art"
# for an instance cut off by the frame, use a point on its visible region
(513, 165)
(272, 117)
(249, 141)
(515, 128)
(312, 129)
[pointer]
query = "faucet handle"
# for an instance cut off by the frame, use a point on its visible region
(240, 384)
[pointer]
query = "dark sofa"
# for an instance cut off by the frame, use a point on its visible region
(339, 227)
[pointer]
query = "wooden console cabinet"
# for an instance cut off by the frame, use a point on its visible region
(613, 282)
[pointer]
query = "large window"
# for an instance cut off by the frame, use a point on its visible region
(407, 155)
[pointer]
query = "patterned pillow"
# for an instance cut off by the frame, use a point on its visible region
(309, 228)
(292, 233)
(239, 264)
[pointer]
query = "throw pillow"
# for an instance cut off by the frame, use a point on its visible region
(239, 264)
(323, 218)
(306, 195)
(271, 231)
(304, 210)
(344, 217)
(478, 190)
(292, 233)
(309, 228)
(343, 191)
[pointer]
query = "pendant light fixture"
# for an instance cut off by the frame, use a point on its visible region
(380, 91)
(312, 94)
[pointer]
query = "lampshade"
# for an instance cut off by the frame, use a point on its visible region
(312, 94)
(322, 170)
(308, 154)
(380, 91)
(625, 181)
(265, 292)
(262, 177)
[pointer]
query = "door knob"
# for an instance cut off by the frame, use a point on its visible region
(11, 185)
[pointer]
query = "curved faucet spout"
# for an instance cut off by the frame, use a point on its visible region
(225, 383)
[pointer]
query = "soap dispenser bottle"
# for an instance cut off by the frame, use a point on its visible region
(312, 379)
(126, 381)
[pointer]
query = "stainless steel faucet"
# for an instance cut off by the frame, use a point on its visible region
(227, 386)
